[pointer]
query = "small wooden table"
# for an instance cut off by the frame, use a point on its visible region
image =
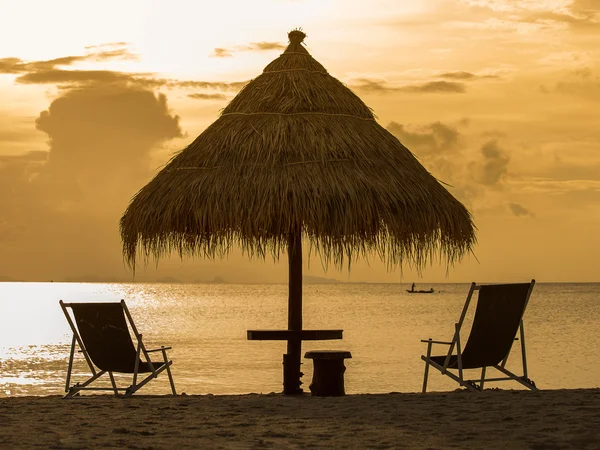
(286, 335)
(328, 375)
(291, 360)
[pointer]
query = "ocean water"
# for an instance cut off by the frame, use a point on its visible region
(206, 326)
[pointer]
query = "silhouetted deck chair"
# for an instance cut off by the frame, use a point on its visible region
(100, 330)
(498, 318)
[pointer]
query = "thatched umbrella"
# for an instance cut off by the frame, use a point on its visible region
(296, 153)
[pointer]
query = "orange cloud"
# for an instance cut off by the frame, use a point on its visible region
(200, 96)
(221, 52)
(53, 72)
(519, 210)
(494, 166)
(378, 87)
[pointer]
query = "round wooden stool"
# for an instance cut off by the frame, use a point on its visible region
(328, 374)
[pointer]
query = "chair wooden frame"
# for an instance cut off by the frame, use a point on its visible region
(73, 390)
(477, 384)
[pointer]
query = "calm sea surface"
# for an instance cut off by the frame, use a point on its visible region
(206, 326)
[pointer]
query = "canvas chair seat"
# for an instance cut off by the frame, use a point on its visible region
(102, 333)
(453, 364)
(498, 318)
(143, 367)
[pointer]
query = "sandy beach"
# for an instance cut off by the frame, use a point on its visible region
(552, 419)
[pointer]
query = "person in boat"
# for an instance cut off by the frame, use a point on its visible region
(412, 288)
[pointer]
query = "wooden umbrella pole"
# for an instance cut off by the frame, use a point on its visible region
(291, 361)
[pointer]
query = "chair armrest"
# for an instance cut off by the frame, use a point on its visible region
(436, 342)
(158, 349)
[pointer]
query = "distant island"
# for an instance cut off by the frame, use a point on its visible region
(86, 279)
(217, 279)
(169, 280)
(7, 279)
(308, 279)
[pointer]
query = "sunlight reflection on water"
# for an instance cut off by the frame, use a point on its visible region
(206, 326)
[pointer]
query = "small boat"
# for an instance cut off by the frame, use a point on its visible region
(430, 291)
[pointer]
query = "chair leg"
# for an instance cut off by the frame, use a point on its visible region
(134, 388)
(523, 380)
(164, 352)
(459, 355)
(74, 390)
(137, 362)
(426, 374)
(466, 384)
(523, 352)
(482, 377)
(112, 381)
(424, 391)
(70, 368)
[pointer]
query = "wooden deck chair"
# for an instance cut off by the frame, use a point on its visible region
(100, 330)
(498, 318)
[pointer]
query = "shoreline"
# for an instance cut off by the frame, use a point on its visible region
(516, 419)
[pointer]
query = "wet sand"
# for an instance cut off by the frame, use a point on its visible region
(506, 419)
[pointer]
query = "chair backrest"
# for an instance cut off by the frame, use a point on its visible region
(105, 335)
(499, 312)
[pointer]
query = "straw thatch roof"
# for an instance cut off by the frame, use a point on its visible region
(296, 149)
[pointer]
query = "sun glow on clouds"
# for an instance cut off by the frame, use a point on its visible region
(37, 30)
(176, 37)
(519, 5)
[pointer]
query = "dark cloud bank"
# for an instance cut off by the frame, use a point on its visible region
(439, 147)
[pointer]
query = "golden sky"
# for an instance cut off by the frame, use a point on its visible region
(498, 98)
